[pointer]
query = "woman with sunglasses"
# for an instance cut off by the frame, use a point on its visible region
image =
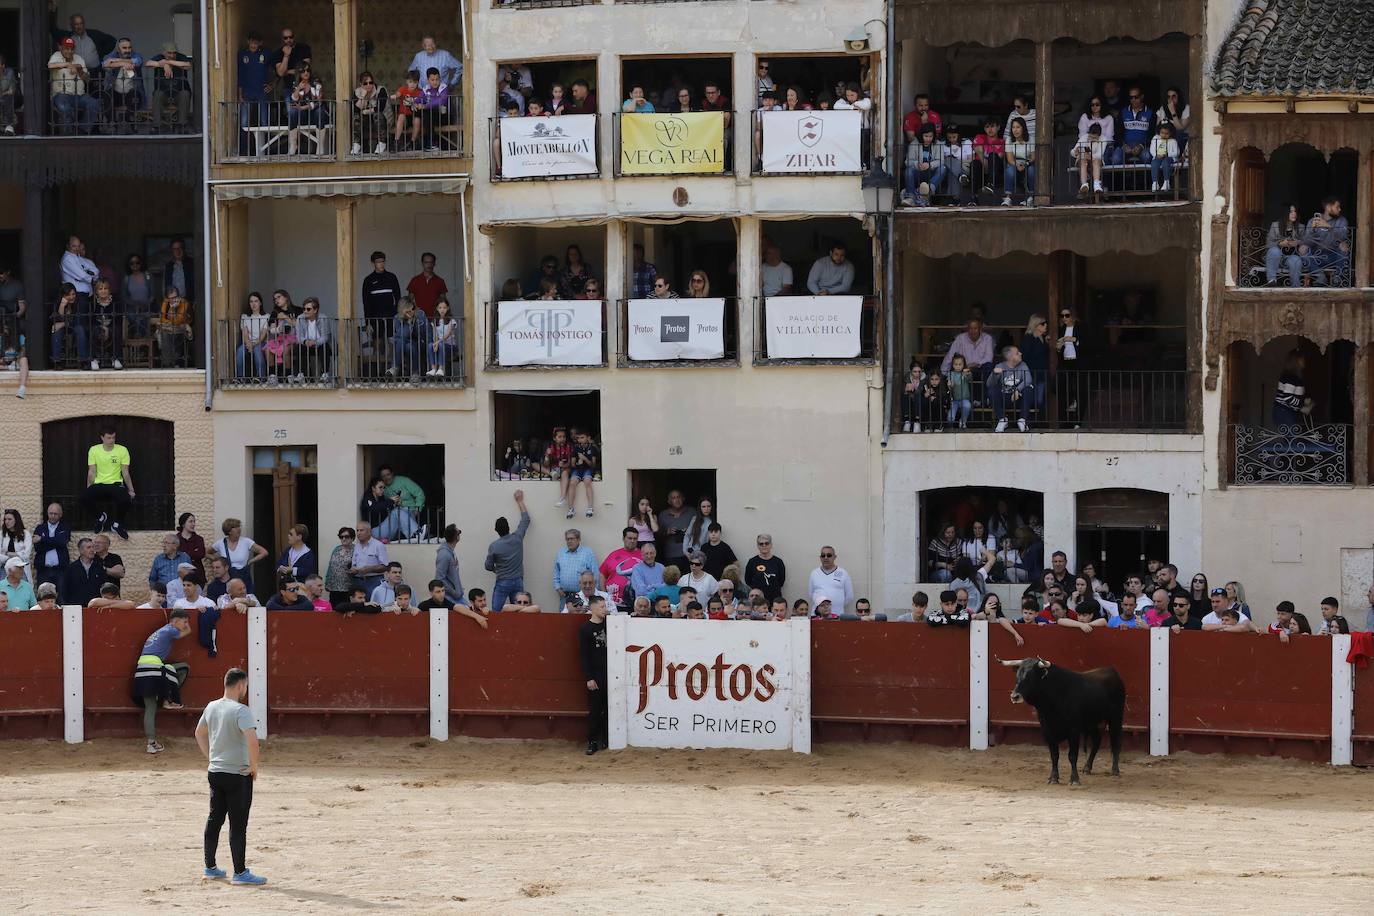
(336, 578)
(698, 285)
(1035, 354)
(1067, 344)
(1096, 148)
(369, 115)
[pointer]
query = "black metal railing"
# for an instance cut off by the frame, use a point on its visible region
(1106, 400)
(95, 338)
(1291, 455)
(867, 332)
(147, 512)
(679, 158)
(493, 359)
(806, 160)
(389, 353)
(411, 525)
(252, 353)
(1308, 258)
(532, 464)
(554, 152)
(109, 103)
(279, 130)
(380, 131)
(678, 330)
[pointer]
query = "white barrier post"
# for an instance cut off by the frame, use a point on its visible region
(73, 676)
(438, 674)
(978, 686)
(257, 667)
(1342, 702)
(801, 684)
(617, 632)
(1159, 692)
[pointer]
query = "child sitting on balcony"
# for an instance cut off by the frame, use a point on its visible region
(585, 457)
(1164, 153)
(989, 152)
(558, 463)
(407, 109)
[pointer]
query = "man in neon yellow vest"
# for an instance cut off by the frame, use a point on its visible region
(156, 681)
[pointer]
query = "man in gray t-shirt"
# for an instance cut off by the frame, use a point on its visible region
(506, 555)
(228, 737)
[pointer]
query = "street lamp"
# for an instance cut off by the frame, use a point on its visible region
(879, 189)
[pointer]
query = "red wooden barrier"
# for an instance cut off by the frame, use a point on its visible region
(1363, 749)
(519, 678)
(873, 680)
(362, 675)
(1128, 651)
(111, 642)
(1250, 695)
(31, 675)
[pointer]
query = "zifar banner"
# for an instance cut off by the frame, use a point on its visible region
(672, 144)
(544, 147)
(709, 683)
(813, 327)
(811, 141)
(548, 333)
(676, 329)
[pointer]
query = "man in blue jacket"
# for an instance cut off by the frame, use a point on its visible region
(52, 540)
(1137, 127)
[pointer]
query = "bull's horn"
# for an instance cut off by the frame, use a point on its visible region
(1010, 662)
(1043, 663)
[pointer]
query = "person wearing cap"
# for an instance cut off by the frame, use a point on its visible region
(72, 107)
(82, 578)
(822, 608)
(165, 565)
(831, 580)
(176, 588)
(171, 84)
(47, 598)
(1220, 602)
(17, 588)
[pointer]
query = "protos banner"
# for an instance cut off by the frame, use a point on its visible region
(811, 141)
(543, 147)
(548, 333)
(817, 327)
(676, 329)
(709, 683)
(672, 144)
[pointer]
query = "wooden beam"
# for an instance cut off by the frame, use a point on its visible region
(1360, 452)
(1197, 62)
(1364, 198)
(1044, 113)
(345, 218)
(345, 70)
(35, 232)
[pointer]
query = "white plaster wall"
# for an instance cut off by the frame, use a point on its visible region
(403, 227)
(148, 23)
(1057, 465)
(291, 246)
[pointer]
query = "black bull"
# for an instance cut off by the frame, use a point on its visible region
(1072, 705)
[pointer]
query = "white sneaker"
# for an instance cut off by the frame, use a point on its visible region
(1001, 425)
(357, 148)
(1154, 186)
(1165, 187)
(1097, 188)
(906, 427)
(381, 148)
(1021, 424)
(1083, 189)
(1006, 201)
(273, 381)
(95, 365)
(561, 503)
(22, 392)
(916, 427)
(117, 364)
(963, 424)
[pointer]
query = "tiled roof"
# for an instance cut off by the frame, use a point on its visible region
(1298, 47)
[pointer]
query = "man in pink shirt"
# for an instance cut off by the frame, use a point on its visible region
(615, 569)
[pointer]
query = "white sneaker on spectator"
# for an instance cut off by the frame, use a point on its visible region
(916, 427)
(1021, 424)
(21, 392)
(1165, 186)
(906, 427)
(272, 380)
(1083, 189)
(571, 512)
(1154, 186)
(9, 129)
(391, 371)
(324, 377)
(381, 148)
(95, 365)
(1006, 201)
(357, 148)
(1097, 187)
(963, 424)
(908, 200)
(1001, 425)
(561, 503)
(117, 364)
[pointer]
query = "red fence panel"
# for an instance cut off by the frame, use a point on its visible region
(1363, 749)
(31, 675)
(1250, 695)
(519, 678)
(111, 643)
(1128, 651)
(361, 675)
(889, 680)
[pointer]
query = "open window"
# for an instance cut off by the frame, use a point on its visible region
(695, 484)
(286, 492)
(1012, 517)
(526, 143)
(151, 445)
(675, 117)
(524, 424)
(547, 306)
(832, 261)
(1119, 530)
(415, 474)
(687, 262)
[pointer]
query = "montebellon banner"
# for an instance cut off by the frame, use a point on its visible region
(540, 147)
(676, 329)
(548, 333)
(709, 683)
(819, 327)
(811, 141)
(672, 144)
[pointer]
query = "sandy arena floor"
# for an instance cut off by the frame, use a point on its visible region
(396, 826)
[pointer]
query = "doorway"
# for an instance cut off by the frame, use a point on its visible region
(695, 484)
(285, 492)
(1119, 530)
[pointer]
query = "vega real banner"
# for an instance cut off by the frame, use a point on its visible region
(811, 141)
(709, 683)
(542, 147)
(672, 144)
(676, 329)
(813, 327)
(548, 333)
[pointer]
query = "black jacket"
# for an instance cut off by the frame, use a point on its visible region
(61, 542)
(381, 294)
(189, 266)
(80, 585)
(591, 645)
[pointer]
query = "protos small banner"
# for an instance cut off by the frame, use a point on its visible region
(709, 683)
(662, 329)
(547, 147)
(672, 144)
(811, 141)
(548, 333)
(813, 327)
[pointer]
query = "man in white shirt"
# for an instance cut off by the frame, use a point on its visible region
(78, 270)
(193, 599)
(580, 601)
(831, 580)
(236, 596)
(776, 273)
(157, 597)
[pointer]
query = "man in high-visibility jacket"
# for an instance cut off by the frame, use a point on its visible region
(156, 681)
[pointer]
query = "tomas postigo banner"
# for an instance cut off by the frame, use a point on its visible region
(815, 327)
(811, 141)
(676, 329)
(709, 683)
(541, 147)
(672, 144)
(548, 333)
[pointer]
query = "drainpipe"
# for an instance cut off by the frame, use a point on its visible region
(889, 252)
(206, 202)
